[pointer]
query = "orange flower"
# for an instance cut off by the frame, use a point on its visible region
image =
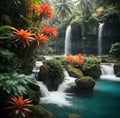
(43, 10)
(79, 59)
(36, 8)
(46, 11)
(24, 36)
(49, 31)
(41, 39)
(20, 105)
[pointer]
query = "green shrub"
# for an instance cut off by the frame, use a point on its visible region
(91, 62)
(91, 67)
(51, 73)
(55, 68)
(14, 83)
(85, 82)
(115, 50)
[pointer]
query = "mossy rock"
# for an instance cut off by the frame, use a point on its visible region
(51, 73)
(91, 67)
(117, 70)
(93, 72)
(39, 112)
(34, 93)
(73, 116)
(74, 72)
(85, 83)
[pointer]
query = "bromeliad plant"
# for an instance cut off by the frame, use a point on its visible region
(19, 105)
(79, 59)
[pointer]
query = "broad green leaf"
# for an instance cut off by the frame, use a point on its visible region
(4, 27)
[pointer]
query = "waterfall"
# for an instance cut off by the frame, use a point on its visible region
(43, 89)
(60, 97)
(68, 41)
(67, 83)
(107, 69)
(100, 28)
(108, 72)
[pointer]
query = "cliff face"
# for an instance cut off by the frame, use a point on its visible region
(84, 40)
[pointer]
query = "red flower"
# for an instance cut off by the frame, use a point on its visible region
(20, 105)
(49, 31)
(43, 10)
(41, 38)
(24, 36)
(79, 59)
(36, 8)
(46, 11)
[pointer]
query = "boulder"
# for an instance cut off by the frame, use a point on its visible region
(74, 72)
(93, 72)
(39, 112)
(85, 83)
(117, 70)
(34, 93)
(51, 73)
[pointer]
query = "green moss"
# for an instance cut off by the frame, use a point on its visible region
(86, 83)
(74, 72)
(34, 93)
(91, 67)
(39, 112)
(51, 73)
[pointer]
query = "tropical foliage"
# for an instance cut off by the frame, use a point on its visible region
(115, 50)
(91, 62)
(14, 83)
(63, 8)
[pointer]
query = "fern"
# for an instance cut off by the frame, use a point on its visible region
(14, 83)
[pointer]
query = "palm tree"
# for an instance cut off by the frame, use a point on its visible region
(84, 6)
(63, 8)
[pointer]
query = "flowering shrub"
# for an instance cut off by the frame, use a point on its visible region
(41, 33)
(79, 59)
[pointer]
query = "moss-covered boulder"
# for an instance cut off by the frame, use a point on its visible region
(72, 116)
(34, 93)
(85, 83)
(117, 70)
(74, 72)
(39, 112)
(51, 73)
(91, 67)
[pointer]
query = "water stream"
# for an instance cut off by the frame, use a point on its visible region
(68, 41)
(100, 28)
(99, 104)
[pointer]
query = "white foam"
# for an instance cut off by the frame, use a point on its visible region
(58, 98)
(110, 77)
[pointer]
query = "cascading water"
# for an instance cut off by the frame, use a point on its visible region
(60, 97)
(67, 83)
(100, 28)
(68, 41)
(108, 72)
(43, 89)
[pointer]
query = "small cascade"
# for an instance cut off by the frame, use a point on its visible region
(107, 69)
(68, 41)
(67, 83)
(36, 68)
(100, 28)
(108, 72)
(43, 89)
